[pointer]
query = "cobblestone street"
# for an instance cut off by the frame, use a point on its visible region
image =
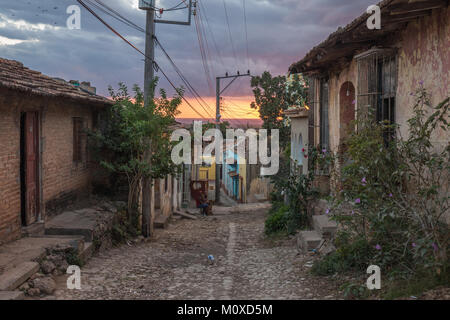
(175, 265)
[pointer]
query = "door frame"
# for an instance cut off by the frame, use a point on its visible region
(25, 215)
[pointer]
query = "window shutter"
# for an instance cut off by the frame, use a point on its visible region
(324, 120)
(312, 104)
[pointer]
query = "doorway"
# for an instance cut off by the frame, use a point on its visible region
(29, 167)
(346, 109)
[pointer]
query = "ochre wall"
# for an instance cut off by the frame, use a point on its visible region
(424, 55)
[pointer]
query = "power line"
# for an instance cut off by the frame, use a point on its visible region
(203, 8)
(203, 53)
(194, 92)
(246, 32)
(229, 32)
(183, 78)
(135, 48)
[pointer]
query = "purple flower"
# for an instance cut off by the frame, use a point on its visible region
(364, 181)
(435, 246)
(324, 150)
(414, 245)
(352, 213)
(328, 211)
(358, 201)
(378, 247)
(390, 195)
(421, 82)
(354, 102)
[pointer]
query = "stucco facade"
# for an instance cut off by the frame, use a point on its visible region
(418, 53)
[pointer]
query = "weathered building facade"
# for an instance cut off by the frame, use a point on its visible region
(44, 159)
(357, 69)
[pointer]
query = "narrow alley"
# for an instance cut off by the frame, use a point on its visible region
(175, 265)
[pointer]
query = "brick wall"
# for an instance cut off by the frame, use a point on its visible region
(62, 180)
(9, 175)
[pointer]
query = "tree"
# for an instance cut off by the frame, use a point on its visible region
(273, 96)
(122, 143)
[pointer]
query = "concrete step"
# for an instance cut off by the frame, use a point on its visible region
(15, 277)
(320, 206)
(161, 221)
(12, 295)
(308, 240)
(70, 223)
(87, 252)
(36, 229)
(324, 226)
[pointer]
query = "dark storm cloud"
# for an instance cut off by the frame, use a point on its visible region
(279, 33)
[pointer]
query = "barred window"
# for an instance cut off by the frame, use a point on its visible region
(312, 104)
(324, 121)
(377, 85)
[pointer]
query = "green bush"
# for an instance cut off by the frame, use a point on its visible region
(398, 189)
(277, 220)
(350, 256)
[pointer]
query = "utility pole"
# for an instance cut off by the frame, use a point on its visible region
(149, 6)
(147, 219)
(218, 116)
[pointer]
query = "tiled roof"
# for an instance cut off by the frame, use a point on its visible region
(14, 75)
(346, 41)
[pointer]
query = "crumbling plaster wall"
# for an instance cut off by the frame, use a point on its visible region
(424, 57)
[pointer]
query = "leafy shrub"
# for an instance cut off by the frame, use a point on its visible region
(277, 219)
(398, 189)
(352, 255)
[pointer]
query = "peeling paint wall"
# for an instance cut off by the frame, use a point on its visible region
(336, 81)
(424, 55)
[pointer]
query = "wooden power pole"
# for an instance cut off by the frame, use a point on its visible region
(149, 6)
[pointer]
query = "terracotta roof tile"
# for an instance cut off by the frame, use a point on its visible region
(14, 75)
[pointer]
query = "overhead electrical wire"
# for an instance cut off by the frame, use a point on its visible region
(203, 53)
(138, 50)
(203, 10)
(229, 32)
(194, 92)
(246, 33)
(119, 17)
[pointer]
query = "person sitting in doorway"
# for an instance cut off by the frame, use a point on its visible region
(204, 203)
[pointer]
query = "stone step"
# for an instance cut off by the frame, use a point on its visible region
(70, 223)
(161, 221)
(15, 277)
(86, 233)
(12, 295)
(36, 229)
(87, 252)
(324, 226)
(320, 206)
(308, 240)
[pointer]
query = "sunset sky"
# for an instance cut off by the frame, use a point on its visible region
(280, 32)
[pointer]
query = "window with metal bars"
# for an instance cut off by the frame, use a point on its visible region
(324, 121)
(377, 85)
(312, 105)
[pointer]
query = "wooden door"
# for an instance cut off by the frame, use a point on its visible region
(31, 166)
